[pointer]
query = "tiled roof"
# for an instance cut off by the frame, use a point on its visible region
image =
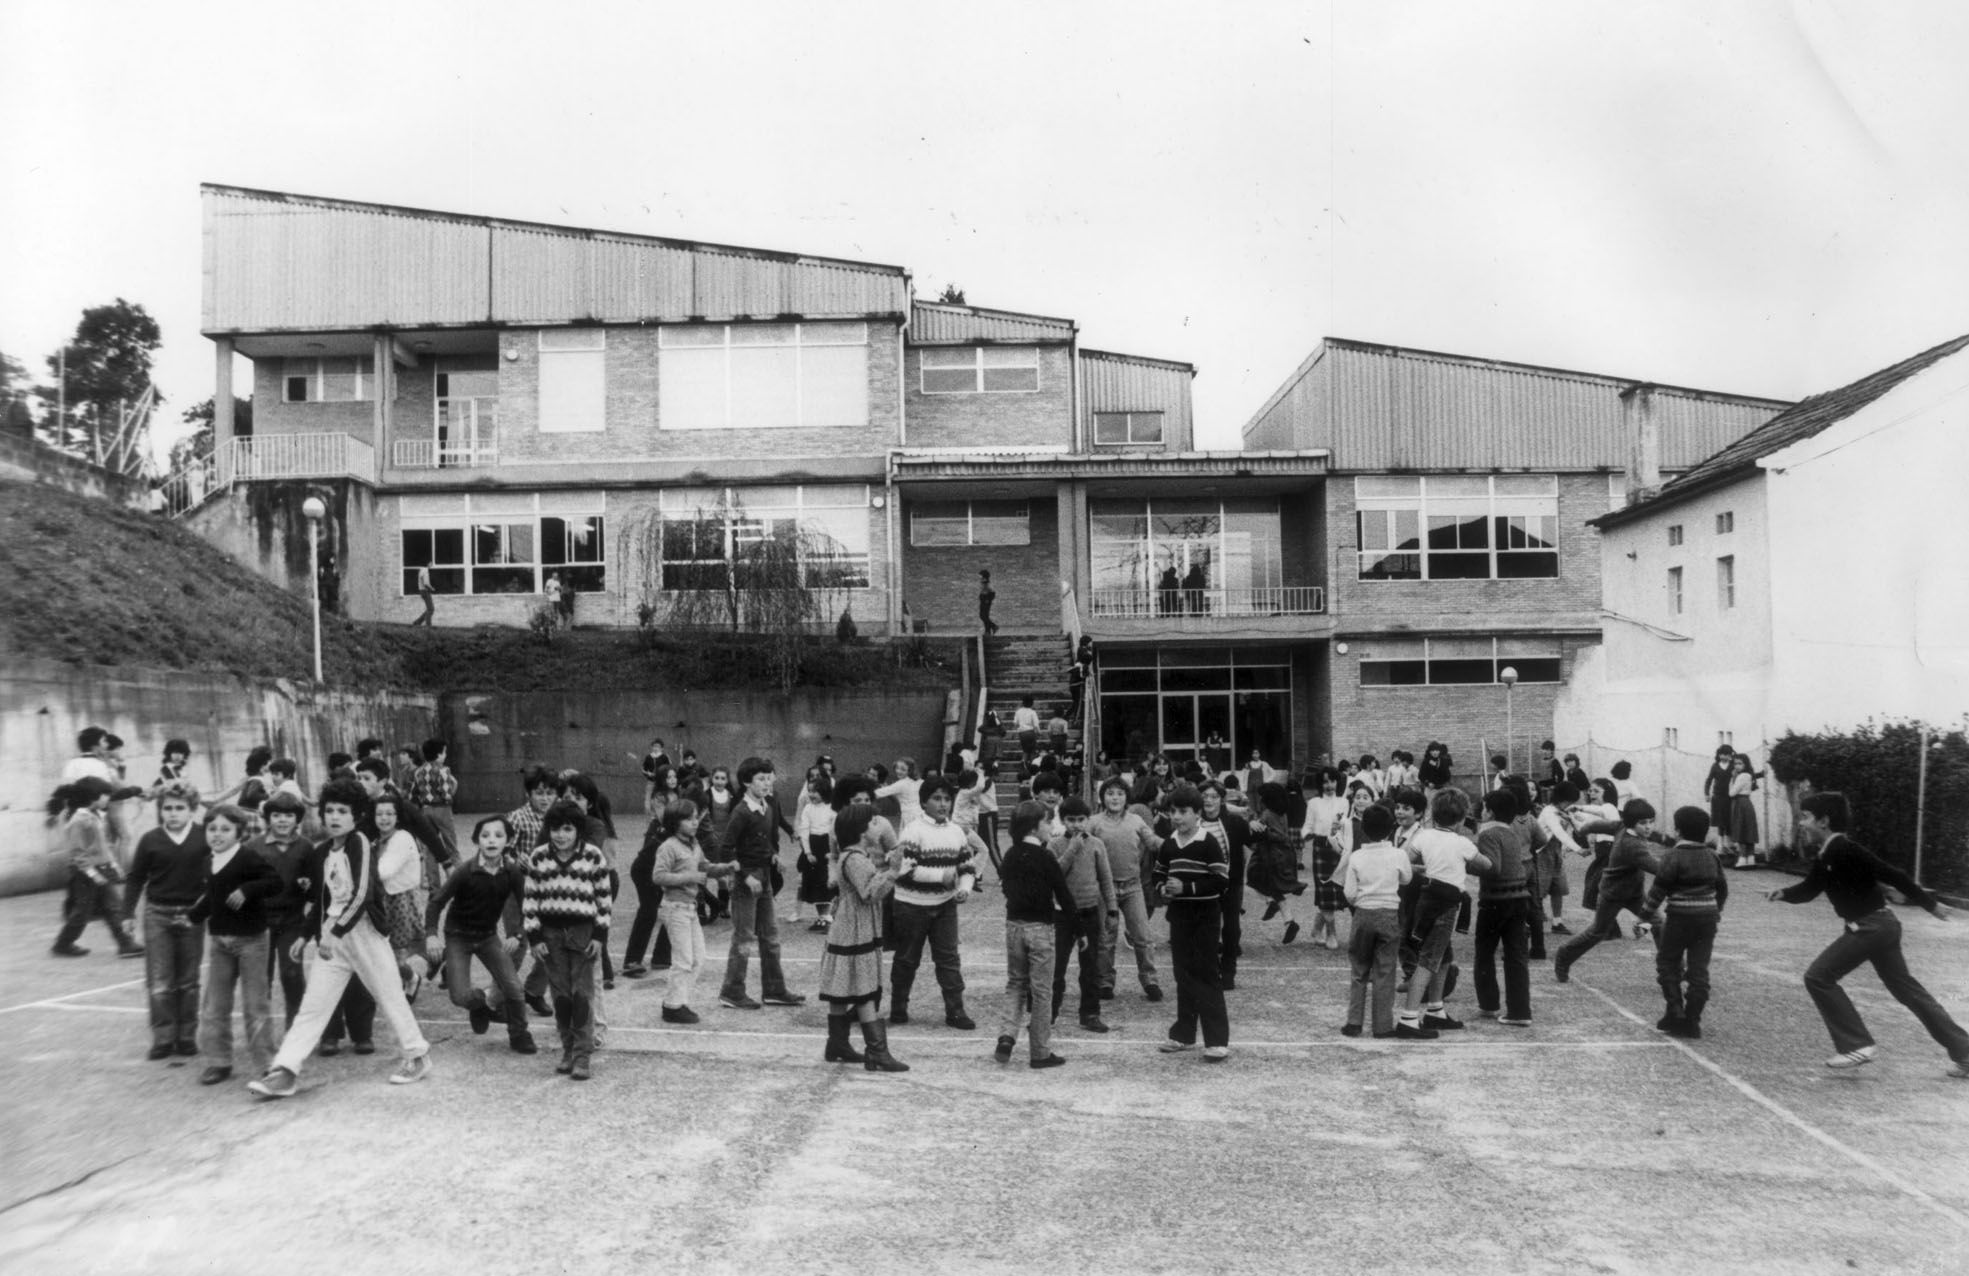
(1802, 420)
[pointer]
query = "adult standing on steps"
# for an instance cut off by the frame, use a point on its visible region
(986, 596)
(1851, 876)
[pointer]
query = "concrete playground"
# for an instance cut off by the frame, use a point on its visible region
(1584, 1143)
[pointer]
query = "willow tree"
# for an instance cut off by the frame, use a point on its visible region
(719, 569)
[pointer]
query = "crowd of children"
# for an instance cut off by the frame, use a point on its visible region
(350, 900)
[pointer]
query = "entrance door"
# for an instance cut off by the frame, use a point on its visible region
(1189, 718)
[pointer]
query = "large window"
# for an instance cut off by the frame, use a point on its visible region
(1116, 429)
(712, 535)
(1458, 527)
(572, 380)
(1452, 662)
(1149, 548)
(980, 369)
(949, 523)
(340, 380)
(504, 542)
(762, 375)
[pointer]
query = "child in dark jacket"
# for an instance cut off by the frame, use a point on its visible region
(232, 908)
(477, 893)
(1036, 897)
(1623, 881)
(1690, 878)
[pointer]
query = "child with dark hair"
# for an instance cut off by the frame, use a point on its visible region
(1447, 858)
(432, 787)
(566, 910)
(1504, 907)
(851, 964)
(232, 908)
(678, 868)
(1036, 897)
(1851, 878)
(1622, 885)
(1190, 874)
(284, 850)
(168, 874)
(814, 829)
(1691, 880)
(542, 786)
(92, 873)
(1083, 860)
(177, 755)
(344, 923)
(752, 841)
(1435, 769)
(1131, 848)
(1373, 879)
(936, 871)
(472, 901)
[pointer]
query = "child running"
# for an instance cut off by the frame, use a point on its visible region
(472, 901)
(92, 874)
(1691, 879)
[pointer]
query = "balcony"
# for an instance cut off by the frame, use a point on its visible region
(1272, 610)
(295, 456)
(464, 435)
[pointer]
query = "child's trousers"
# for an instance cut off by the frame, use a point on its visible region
(679, 922)
(362, 953)
(230, 960)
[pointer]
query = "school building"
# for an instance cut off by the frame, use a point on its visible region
(497, 403)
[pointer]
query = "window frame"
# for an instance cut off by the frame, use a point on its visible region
(970, 541)
(978, 368)
(1675, 591)
(740, 520)
(804, 336)
(472, 513)
(546, 354)
(365, 377)
(1455, 513)
(1726, 522)
(1128, 428)
(1674, 535)
(1726, 582)
(1497, 660)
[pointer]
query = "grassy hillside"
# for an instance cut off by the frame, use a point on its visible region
(90, 582)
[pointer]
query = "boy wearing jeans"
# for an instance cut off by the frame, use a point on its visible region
(1190, 873)
(282, 847)
(1372, 883)
(566, 908)
(232, 908)
(1131, 845)
(1036, 896)
(477, 893)
(752, 841)
(1084, 860)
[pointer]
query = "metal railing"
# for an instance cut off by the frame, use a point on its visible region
(463, 436)
(1206, 604)
(289, 456)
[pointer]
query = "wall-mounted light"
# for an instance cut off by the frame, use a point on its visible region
(1340, 647)
(512, 354)
(877, 501)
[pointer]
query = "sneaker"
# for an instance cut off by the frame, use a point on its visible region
(187, 1048)
(1093, 1023)
(635, 970)
(1487, 1014)
(1216, 1054)
(1003, 1052)
(580, 1071)
(566, 1065)
(1687, 1030)
(1959, 1069)
(69, 950)
(1854, 1058)
(411, 1071)
(1515, 1023)
(329, 1049)
(160, 1052)
(608, 985)
(1271, 910)
(523, 1044)
(1350, 1030)
(1441, 1023)
(1561, 970)
(1560, 928)
(1291, 932)
(960, 1020)
(680, 1014)
(1667, 1023)
(737, 1001)
(785, 998)
(1413, 1032)
(134, 950)
(1173, 1046)
(537, 1003)
(412, 986)
(1642, 930)
(364, 1047)
(279, 1083)
(481, 1016)
(898, 1014)
(820, 926)
(1050, 1061)
(1152, 993)
(213, 1076)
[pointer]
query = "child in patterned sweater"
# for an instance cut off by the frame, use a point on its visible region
(565, 913)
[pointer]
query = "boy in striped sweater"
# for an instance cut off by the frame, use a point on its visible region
(1190, 873)
(1690, 878)
(565, 912)
(936, 873)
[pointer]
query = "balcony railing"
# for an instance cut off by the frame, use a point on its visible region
(464, 434)
(1206, 604)
(291, 456)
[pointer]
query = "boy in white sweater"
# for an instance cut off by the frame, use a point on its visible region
(1372, 882)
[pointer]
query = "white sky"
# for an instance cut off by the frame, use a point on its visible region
(1752, 197)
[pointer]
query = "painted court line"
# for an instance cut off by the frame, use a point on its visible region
(1792, 1119)
(56, 1001)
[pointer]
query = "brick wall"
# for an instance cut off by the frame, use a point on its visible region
(941, 584)
(630, 425)
(273, 416)
(1044, 416)
(1420, 604)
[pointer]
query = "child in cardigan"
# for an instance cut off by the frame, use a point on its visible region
(233, 910)
(476, 894)
(567, 915)
(343, 930)
(168, 874)
(1691, 879)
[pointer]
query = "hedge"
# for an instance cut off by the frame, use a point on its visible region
(1877, 767)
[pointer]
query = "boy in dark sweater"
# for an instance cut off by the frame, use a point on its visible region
(1036, 896)
(168, 873)
(1850, 876)
(1622, 884)
(232, 907)
(283, 849)
(478, 893)
(752, 839)
(1190, 873)
(1690, 878)
(1503, 912)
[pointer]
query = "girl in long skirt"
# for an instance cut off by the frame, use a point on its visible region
(1743, 811)
(851, 966)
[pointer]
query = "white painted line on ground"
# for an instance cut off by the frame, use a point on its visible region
(72, 1008)
(1792, 1119)
(87, 992)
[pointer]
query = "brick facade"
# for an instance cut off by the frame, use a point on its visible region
(941, 583)
(1043, 416)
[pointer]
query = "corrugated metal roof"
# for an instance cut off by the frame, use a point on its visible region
(1802, 420)
(1387, 408)
(937, 323)
(275, 261)
(1126, 383)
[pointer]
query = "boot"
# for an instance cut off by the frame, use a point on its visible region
(839, 1048)
(875, 1035)
(1692, 1017)
(564, 1023)
(1671, 1019)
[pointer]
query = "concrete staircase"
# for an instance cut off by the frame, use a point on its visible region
(1016, 667)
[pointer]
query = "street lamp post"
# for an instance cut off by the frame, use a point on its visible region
(314, 510)
(1508, 675)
